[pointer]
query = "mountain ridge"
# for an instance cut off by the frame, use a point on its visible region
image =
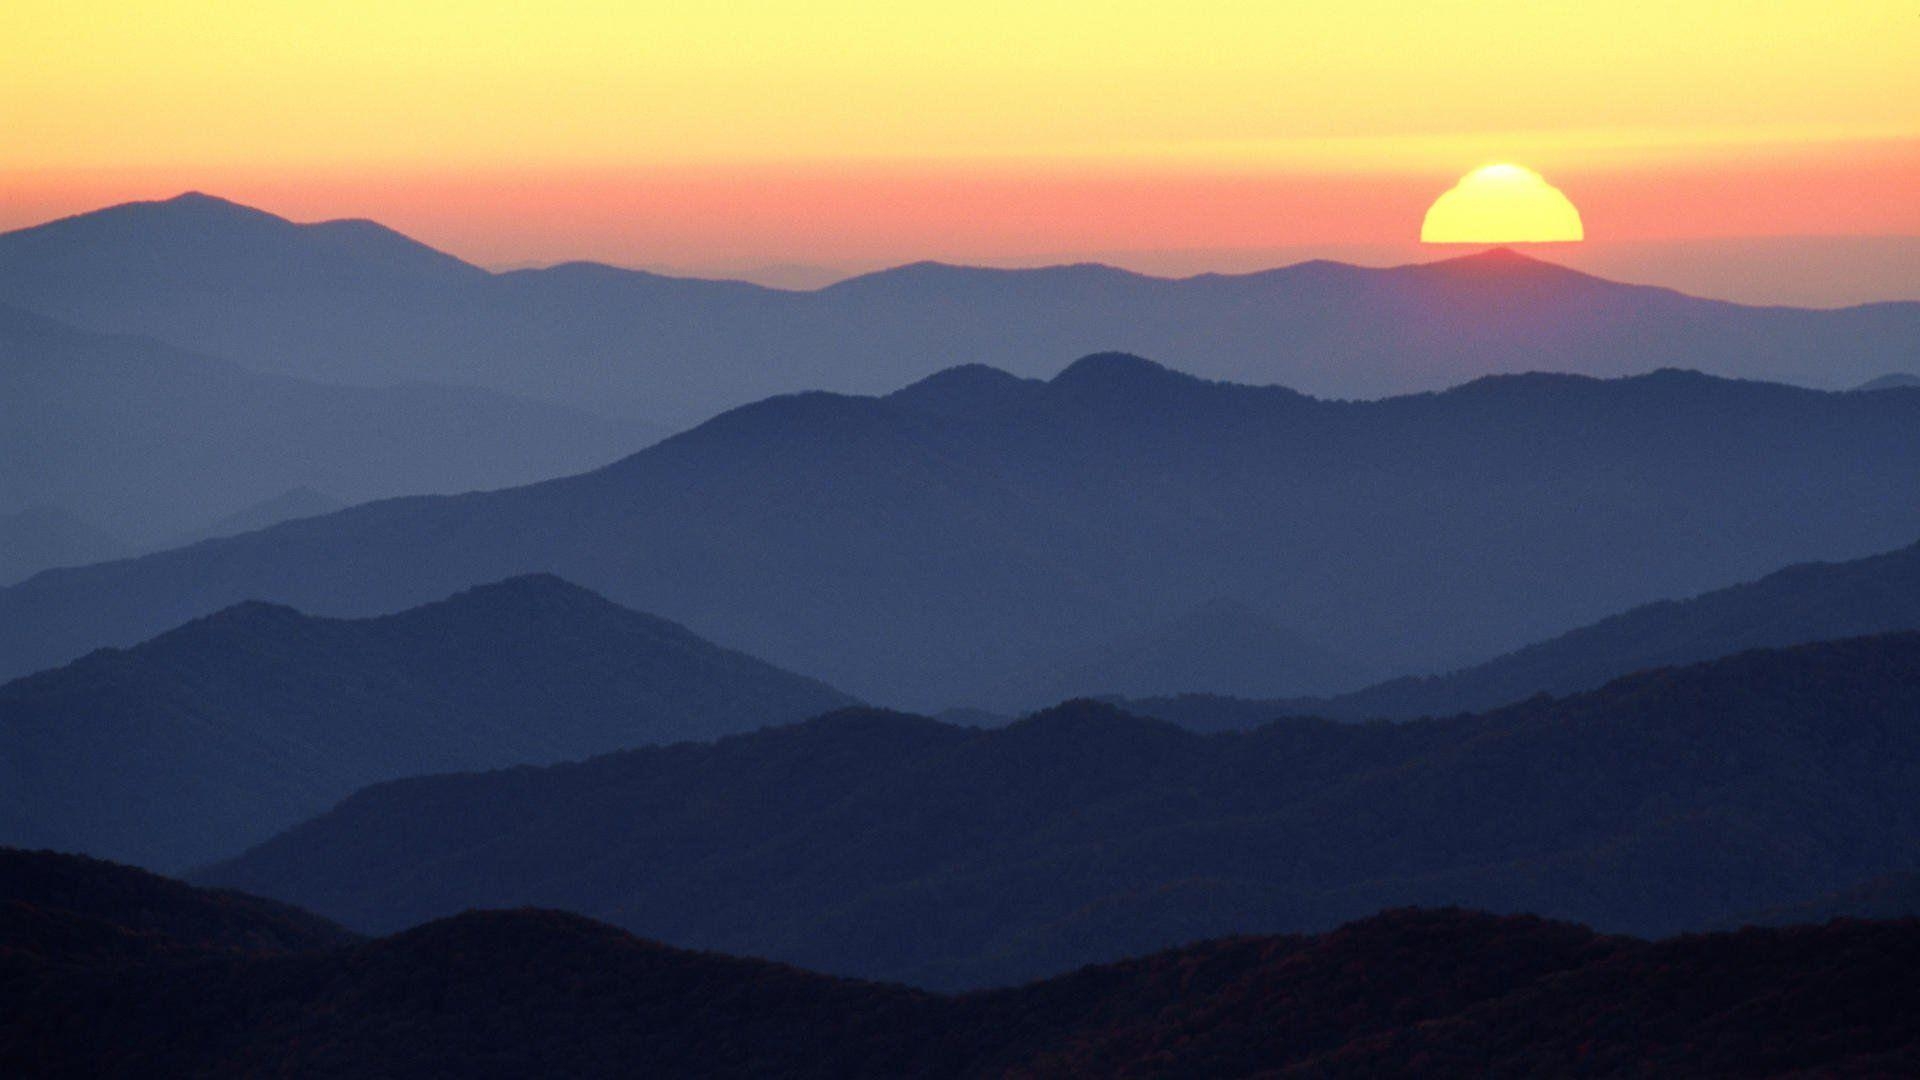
(217, 733)
(153, 442)
(676, 350)
(827, 532)
(904, 849)
(521, 992)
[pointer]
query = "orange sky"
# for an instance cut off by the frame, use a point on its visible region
(848, 132)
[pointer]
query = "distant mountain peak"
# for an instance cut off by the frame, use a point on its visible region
(963, 389)
(200, 205)
(1495, 256)
(246, 613)
(1091, 716)
(199, 198)
(1505, 265)
(1897, 381)
(1117, 368)
(234, 238)
(539, 585)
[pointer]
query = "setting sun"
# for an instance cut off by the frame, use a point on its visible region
(1502, 204)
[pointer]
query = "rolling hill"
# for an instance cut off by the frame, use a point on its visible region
(352, 301)
(216, 735)
(924, 547)
(518, 993)
(888, 846)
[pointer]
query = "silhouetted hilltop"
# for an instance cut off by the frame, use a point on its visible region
(917, 552)
(351, 302)
(1888, 896)
(67, 909)
(1439, 993)
(217, 734)
(884, 846)
(152, 442)
(1891, 382)
(971, 389)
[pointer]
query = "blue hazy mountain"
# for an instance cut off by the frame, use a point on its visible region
(44, 534)
(1809, 602)
(220, 733)
(896, 847)
(921, 548)
(351, 301)
(1891, 382)
(295, 502)
(150, 441)
(1221, 645)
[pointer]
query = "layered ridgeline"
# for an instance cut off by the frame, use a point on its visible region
(43, 534)
(525, 993)
(351, 301)
(1221, 645)
(889, 846)
(149, 442)
(60, 910)
(1810, 602)
(925, 547)
(218, 734)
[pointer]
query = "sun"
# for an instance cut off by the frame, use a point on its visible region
(1502, 204)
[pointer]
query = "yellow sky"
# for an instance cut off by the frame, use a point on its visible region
(708, 135)
(1353, 84)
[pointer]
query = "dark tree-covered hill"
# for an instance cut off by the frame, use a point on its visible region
(528, 992)
(888, 846)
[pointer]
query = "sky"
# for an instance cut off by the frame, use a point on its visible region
(756, 136)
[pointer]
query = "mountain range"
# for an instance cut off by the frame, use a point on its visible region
(112, 972)
(355, 302)
(218, 734)
(147, 441)
(888, 846)
(920, 548)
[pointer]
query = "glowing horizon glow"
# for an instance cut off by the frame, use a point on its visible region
(870, 132)
(1502, 204)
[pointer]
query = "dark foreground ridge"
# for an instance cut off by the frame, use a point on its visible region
(894, 847)
(529, 992)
